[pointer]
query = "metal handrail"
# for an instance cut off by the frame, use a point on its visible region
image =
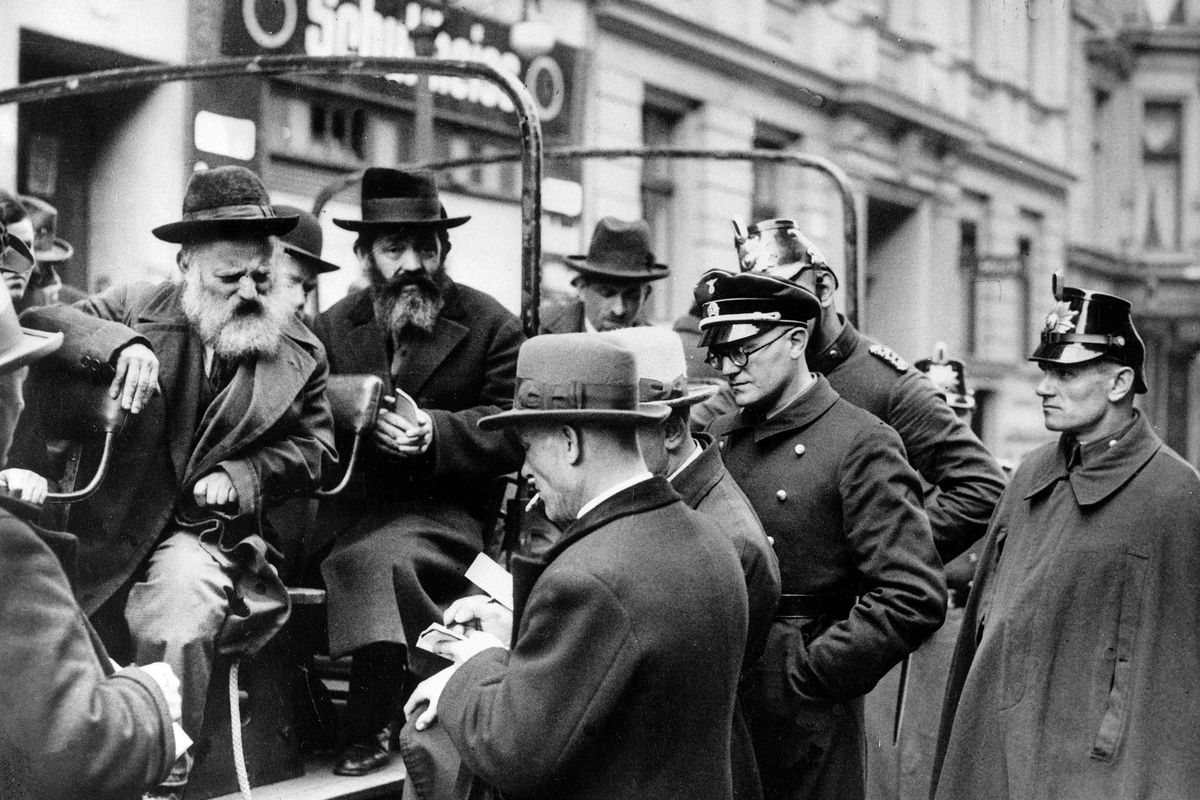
(528, 121)
(855, 300)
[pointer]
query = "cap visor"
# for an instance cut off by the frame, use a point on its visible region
(717, 334)
(1065, 353)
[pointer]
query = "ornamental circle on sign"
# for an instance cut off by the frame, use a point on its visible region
(544, 77)
(270, 41)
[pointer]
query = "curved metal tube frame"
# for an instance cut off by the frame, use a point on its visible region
(349, 473)
(853, 283)
(529, 123)
(94, 483)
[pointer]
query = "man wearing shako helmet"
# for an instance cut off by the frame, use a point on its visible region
(1078, 668)
(862, 583)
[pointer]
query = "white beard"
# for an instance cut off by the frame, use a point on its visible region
(227, 326)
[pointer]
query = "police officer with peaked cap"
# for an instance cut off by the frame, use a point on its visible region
(872, 376)
(862, 583)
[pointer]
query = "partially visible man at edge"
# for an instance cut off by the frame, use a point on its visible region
(74, 723)
(1077, 671)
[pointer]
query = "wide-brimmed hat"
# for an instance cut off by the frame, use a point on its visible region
(305, 241)
(47, 247)
(662, 368)
(620, 251)
(391, 197)
(19, 346)
(737, 306)
(777, 247)
(576, 377)
(224, 202)
(1084, 325)
(949, 376)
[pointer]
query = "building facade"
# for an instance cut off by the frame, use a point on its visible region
(990, 143)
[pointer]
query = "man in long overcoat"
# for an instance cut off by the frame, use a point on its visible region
(424, 495)
(862, 583)
(627, 635)
(73, 725)
(1077, 672)
(241, 421)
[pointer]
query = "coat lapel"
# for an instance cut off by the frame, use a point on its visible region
(428, 352)
(366, 348)
(259, 394)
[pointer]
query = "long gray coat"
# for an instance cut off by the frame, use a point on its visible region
(1077, 673)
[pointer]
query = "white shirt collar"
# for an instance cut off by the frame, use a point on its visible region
(612, 490)
(691, 457)
(588, 327)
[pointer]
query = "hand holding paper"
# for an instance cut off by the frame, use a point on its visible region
(494, 619)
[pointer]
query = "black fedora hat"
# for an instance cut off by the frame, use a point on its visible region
(391, 197)
(305, 241)
(224, 202)
(47, 247)
(620, 251)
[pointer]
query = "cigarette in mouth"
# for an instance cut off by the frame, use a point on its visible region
(533, 501)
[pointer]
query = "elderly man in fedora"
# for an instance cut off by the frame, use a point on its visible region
(302, 262)
(423, 499)
(241, 422)
(626, 637)
(74, 725)
(613, 280)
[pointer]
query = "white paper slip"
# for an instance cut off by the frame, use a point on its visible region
(405, 406)
(182, 740)
(436, 634)
(493, 579)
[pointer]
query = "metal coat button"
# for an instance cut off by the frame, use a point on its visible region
(771, 541)
(799, 449)
(781, 495)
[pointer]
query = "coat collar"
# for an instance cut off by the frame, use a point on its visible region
(639, 498)
(807, 408)
(698, 478)
(1103, 473)
(837, 352)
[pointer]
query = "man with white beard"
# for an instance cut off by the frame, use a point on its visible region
(230, 391)
(422, 501)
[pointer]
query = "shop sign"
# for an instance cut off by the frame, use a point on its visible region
(385, 27)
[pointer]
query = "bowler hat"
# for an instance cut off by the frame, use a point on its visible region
(620, 251)
(949, 377)
(391, 197)
(777, 247)
(1084, 325)
(224, 202)
(47, 247)
(737, 306)
(305, 241)
(575, 378)
(662, 368)
(19, 346)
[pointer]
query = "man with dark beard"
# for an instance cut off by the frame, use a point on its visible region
(417, 512)
(242, 421)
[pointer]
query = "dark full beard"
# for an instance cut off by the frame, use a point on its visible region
(408, 300)
(234, 328)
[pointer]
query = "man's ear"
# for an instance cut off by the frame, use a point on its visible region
(1120, 384)
(826, 285)
(675, 432)
(646, 289)
(799, 340)
(572, 441)
(180, 262)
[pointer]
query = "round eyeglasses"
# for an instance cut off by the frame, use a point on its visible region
(739, 355)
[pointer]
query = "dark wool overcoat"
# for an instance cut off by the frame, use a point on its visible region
(70, 727)
(270, 429)
(832, 487)
(1077, 672)
(627, 642)
(426, 516)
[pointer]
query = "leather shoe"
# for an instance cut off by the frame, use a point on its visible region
(365, 756)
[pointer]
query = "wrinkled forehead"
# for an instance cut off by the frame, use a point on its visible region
(233, 252)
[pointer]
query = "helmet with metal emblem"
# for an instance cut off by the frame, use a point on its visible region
(949, 377)
(1085, 325)
(776, 247)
